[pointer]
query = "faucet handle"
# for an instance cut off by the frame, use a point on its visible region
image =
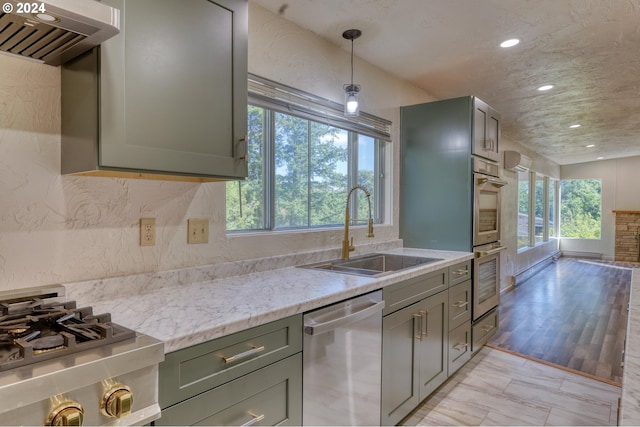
(370, 228)
(351, 247)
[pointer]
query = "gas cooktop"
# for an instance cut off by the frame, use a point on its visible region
(32, 330)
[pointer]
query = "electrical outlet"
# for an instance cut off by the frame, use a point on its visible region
(147, 231)
(198, 230)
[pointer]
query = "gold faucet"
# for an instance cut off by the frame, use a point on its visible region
(346, 245)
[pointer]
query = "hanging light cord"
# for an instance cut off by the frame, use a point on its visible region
(351, 62)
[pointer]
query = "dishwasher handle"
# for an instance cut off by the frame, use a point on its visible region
(321, 328)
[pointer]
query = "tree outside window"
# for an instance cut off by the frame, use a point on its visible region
(581, 208)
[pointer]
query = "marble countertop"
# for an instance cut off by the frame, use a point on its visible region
(190, 314)
(630, 403)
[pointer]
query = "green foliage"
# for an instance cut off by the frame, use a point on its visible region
(580, 208)
(310, 169)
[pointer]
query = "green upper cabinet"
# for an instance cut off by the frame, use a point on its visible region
(167, 96)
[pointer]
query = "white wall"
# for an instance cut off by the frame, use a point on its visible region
(620, 181)
(57, 228)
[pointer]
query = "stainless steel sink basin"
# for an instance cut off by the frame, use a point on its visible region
(372, 264)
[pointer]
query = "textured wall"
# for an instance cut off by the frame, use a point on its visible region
(57, 228)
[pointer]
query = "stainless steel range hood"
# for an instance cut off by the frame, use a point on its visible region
(55, 31)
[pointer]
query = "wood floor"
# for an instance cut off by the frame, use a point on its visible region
(573, 314)
(499, 388)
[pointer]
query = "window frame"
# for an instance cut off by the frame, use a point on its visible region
(368, 126)
(532, 181)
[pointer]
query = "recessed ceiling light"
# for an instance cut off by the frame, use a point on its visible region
(545, 88)
(510, 43)
(575, 126)
(591, 145)
(600, 158)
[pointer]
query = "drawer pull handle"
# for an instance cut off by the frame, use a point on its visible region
(243, 355)
(460, 272)
(460, 346)
(418, 325)
(254, 419)
(486, 328)
(460, 304)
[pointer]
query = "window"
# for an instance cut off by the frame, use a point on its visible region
(538, 215)
(536, 209)
(551, 223)
(301, 167)
(523, 209)
(580, 208)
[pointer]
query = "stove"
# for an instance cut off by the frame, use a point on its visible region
(64, 365)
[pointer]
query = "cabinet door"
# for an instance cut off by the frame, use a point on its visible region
(434, 330)
(486, 131)
(173, 94)
(400, 339)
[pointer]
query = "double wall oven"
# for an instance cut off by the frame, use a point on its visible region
(486, 236)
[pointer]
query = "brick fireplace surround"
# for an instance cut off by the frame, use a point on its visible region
(627, 235)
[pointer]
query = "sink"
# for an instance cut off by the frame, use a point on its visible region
(372, 265)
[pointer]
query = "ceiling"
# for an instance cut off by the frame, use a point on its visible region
(588, 49)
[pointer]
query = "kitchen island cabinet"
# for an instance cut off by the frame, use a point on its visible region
(167, 97)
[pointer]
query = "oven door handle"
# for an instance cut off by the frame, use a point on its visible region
(480, 254)
(496, 182)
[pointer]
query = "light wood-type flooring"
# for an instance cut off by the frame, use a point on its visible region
(499, 388)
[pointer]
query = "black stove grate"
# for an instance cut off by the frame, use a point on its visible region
(32, 330)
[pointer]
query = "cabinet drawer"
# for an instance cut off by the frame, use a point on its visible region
(459, 273)
(407, 292)
(187, 372)
(459, 304)
(459, 347)
(484, 329)
(270, 396)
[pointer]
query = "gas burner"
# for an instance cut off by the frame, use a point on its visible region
(32, 330)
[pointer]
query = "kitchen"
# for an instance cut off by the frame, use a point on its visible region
(63, 229)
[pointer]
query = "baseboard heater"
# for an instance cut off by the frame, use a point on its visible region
(533, 269)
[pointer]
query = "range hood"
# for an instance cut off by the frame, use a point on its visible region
(55, 31)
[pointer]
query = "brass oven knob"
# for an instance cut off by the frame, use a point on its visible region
(117, 401)
(68, 413)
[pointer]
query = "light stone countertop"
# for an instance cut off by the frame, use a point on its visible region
(190, 314)
(630, 403)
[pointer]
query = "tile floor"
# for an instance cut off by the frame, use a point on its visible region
(499, 388)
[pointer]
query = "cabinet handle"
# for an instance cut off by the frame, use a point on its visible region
(243, 149)
(425, 314)
(486, 328)
(254, 419)
(243, 355)
(461, 272)
(418, 325)
(460, 346)
(460, 304)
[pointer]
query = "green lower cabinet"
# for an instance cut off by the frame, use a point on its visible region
(414, 355)
(269, 396)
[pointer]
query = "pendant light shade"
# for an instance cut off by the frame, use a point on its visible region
(351, 91)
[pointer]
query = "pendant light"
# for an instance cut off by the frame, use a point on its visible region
(351, 91)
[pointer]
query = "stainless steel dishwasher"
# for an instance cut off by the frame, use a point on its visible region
(342, 362)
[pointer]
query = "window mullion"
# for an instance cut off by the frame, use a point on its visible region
(309, 155)
(270, 167)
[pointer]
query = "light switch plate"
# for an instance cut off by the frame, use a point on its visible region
(198, 230)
